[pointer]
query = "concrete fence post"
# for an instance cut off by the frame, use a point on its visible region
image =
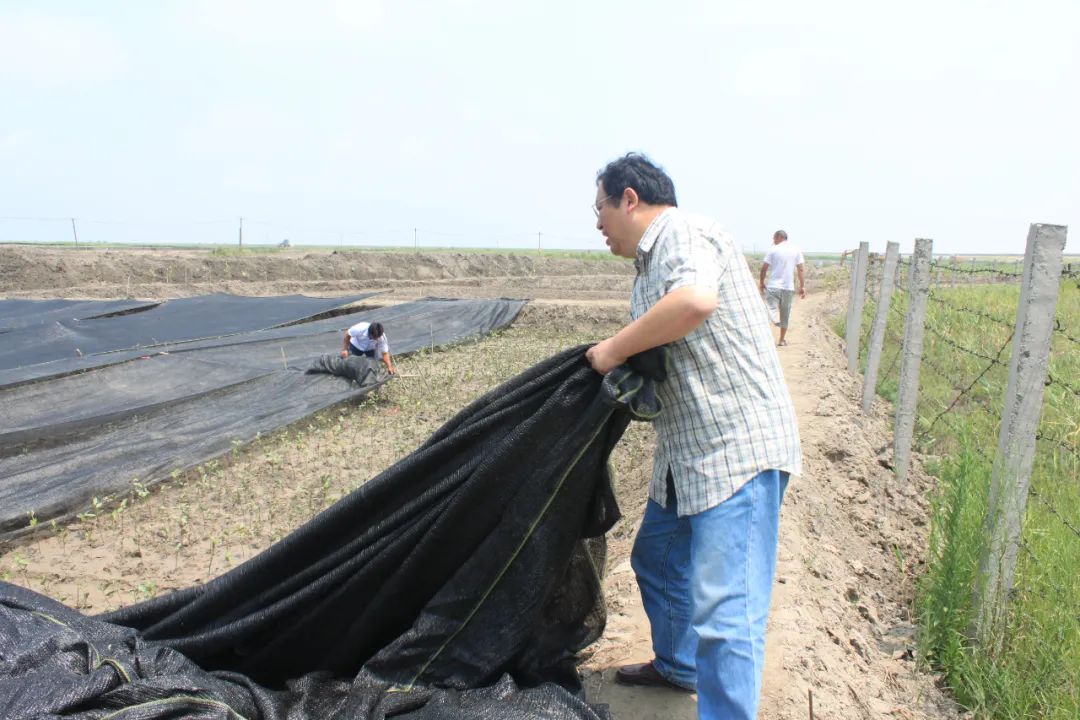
(881, 319)
(1011, 477)
(855, 304)
(908, 392)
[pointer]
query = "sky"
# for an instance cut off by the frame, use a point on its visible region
(473, 123)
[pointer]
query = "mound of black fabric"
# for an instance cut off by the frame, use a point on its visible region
(475, 562)
(56, 662)
(358, 368)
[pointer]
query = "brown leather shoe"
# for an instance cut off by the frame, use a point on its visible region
(645, 675)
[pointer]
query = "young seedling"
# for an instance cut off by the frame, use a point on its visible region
(210, 564)
(147, 589)
(118, 519)
(23, 564)
(60, 532)
(141, 490)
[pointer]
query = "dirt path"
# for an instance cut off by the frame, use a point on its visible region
(850, 544)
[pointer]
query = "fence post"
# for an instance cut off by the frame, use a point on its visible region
(855, 303)
(908, 391)
(1011, 478)
(877, 329)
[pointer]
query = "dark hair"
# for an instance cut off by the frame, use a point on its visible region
(636, 171)
(780, 233)
(375, 330)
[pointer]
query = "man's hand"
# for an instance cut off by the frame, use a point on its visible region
(344, 353)
(802, 293)
(603, 357)
(761, 288)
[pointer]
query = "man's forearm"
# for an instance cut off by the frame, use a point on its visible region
(676, 315)
(802, 277)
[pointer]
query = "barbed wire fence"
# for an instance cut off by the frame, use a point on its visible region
(932, 301)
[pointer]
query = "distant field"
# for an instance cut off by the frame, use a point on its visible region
(601, 253)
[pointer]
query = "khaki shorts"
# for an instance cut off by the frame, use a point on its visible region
(779, 302)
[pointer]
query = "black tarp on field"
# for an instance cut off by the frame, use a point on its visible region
(459, 583)
(66, 438)
(204, 316)
(16, 313)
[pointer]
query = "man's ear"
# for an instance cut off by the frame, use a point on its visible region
(630, 198)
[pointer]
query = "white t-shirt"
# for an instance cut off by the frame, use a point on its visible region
(359, 339)
(782, 260)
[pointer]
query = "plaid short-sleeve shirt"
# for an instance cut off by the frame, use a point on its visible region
(727, 411)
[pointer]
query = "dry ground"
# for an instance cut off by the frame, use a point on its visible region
(852, 539)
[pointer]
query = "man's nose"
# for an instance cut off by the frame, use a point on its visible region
(599, 225)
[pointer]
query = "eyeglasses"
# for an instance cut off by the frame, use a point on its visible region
(598, 204)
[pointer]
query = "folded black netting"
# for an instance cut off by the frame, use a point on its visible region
(459, 583)
(358, 368)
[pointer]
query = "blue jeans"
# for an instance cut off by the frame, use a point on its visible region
(706, 582)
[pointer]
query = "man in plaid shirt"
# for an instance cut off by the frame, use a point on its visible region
(726, 442)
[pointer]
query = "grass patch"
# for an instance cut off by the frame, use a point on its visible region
(1037, 671)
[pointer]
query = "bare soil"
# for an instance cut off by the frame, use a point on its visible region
(852, 539)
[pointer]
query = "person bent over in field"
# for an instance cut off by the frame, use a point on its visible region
(369, 340)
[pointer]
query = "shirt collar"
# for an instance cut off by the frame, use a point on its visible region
(648, 238)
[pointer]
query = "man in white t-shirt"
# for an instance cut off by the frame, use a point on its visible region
(781, 264)
(369, 340)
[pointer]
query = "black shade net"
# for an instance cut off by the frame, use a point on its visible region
(70, 435)
(17, 313)
(459, 583)
(193, 318)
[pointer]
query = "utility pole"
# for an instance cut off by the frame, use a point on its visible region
(415, 241)
(74, 233)
(241, 232)
(538, 242)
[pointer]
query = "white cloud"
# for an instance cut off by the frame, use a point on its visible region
(242, 142)
(15, 140)
(769, 74)
(359, 15)
(271, 24)
(51, 51)
(768, 13)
